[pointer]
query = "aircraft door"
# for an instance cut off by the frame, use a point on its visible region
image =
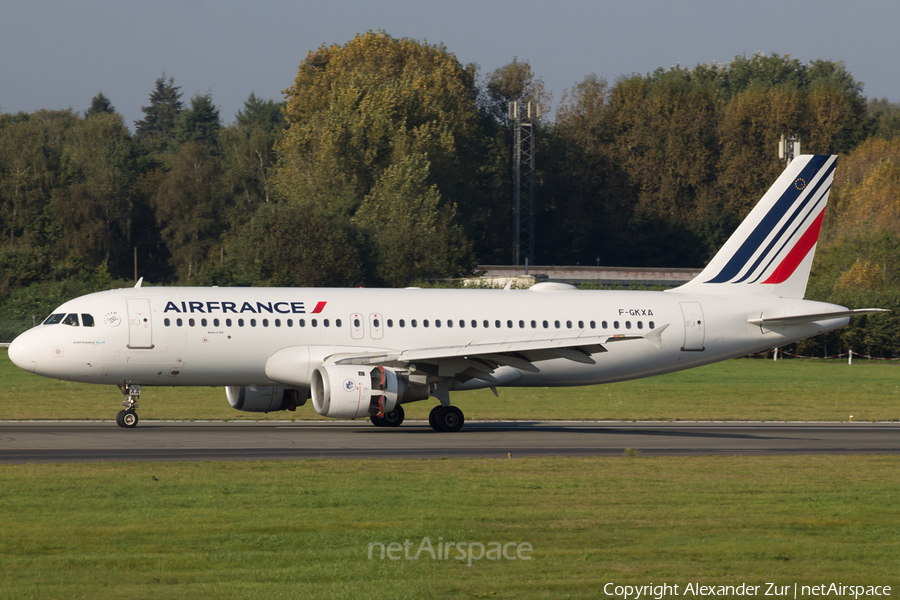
(693, 326)
(356, 326)
(140, 331)
(376, 326)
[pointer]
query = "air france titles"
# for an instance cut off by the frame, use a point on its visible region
(256, 308)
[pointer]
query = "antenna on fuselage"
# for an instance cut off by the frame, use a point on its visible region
(139, 282)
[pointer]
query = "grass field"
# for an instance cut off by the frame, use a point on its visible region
(743, 389)
(303, 529)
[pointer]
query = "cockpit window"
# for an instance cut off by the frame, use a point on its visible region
(54, 319)
(87, 320)
(71, 319)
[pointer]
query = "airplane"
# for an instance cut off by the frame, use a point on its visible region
(364, 353)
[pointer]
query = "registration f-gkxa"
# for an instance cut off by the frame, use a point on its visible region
(366, 352)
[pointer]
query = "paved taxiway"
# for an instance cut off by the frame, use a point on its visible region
(24, 442)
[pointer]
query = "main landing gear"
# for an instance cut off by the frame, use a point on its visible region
(446, 418)
(128, 418)
(390, 419)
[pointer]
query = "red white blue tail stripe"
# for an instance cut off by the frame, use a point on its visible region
(776, 241)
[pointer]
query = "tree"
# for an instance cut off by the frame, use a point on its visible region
(199, 123)
(514, 81)
(412, 235)
(100, 105)
(157, 127)
(355, 110)
(188, 208)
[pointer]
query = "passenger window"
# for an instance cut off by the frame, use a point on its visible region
(215, 322)
(521, 324)
(402, 323)
(545, 324)
(326, 323)
(252, 322)
(534, 324)
(240, 322)
(179, 322)
(509, 324)
(289, 323)
(356, 322)
(615, 324)
(191, 322)
(605, 324)
(265, 322)
(593, 325)
(203, 322)
(474, 324)
(568, 324)
(377, 323)
(277, 322)
(486, 323)
(414, 323)
(449, 322)
(54, 319)
(651, 325)
(301, 322)
(87, 320)
(314, 322)
(580, 324)
(227, 322)
(497, 324)
(71, 320)
(640, 324)
(462, 323)
(390, 322)
(556, 324)
(337, 323)
(425, 323)
(437, 322)
(627, 324)
(167, 322)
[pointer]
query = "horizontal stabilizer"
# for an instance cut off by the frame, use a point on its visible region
(812, 318)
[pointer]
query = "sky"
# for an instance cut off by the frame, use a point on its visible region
(58, 54)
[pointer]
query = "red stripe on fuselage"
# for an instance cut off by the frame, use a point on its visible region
(320, 306)
(797, 253)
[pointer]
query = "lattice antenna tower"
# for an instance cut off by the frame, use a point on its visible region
(524, 117)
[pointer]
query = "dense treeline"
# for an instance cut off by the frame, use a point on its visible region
(389, 162)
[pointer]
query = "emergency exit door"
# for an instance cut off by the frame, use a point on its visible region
(693, 326)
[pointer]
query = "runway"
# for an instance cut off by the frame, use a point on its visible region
(46, 442)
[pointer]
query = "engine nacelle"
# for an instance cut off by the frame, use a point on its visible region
(351, 391)
(252, 398)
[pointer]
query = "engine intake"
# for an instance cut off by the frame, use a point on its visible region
(252, 398)
(350, 391)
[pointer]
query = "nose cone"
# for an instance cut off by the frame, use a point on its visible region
(24, 351)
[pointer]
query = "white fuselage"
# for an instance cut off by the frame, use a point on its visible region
(225, 336)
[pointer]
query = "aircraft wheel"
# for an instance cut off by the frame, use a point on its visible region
(377, 421)
(432, 417)
(449, 418)
(119, 418)
(394, 418)
(130, 419)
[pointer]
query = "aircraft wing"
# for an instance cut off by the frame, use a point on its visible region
(479, 359)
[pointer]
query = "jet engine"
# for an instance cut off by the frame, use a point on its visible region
(350, 391)
(251, 398)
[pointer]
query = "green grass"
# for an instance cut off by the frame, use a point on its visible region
(743, 389)
(302, 529)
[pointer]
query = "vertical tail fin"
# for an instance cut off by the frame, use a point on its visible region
(773, 249)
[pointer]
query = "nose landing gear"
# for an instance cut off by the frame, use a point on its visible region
(128, 418)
